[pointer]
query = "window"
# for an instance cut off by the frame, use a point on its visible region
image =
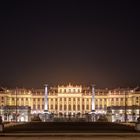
(78, 107)
(96, 106)
(60, 107)
(51, 106)
(42, 106)
(74, 108)
(65, 107)
(34, 107)
(56, 106)
(83, 107)
(38, 106)
(69, 107)
(87, 107)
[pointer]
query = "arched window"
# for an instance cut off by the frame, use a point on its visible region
(65, 107)
(69, 107)
(74, 108)
(78, 107)
(60, 107)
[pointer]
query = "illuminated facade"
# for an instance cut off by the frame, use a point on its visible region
(117, 104)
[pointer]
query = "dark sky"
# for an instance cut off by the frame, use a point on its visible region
(79, 42)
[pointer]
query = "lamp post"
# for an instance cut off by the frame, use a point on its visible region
(16, 105)
(139, 106)
(125, 107)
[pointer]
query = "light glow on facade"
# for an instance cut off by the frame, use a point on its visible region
(71, 100)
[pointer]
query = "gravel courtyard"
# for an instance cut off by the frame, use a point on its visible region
(73, 138)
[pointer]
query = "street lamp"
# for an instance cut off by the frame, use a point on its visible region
(125, 107)
(16, 105)
(139, 106)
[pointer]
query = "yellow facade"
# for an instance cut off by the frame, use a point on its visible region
(65, 100)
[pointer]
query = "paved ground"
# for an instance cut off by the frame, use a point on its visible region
(64, 127)
(73, 138)
(21, 135)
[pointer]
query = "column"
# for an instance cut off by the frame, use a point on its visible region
(76, 105)
(81, 105)
(93, 98)
(53, 105)
(67, 105)
(85, 105)
(63, 105)
(58, 107)
(46, 99)
(72, 105)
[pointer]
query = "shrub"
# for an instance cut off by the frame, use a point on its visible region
(36, 119)
(102, 118)
(138, 119)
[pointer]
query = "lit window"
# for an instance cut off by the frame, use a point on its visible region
(83, 107)
(69, 107)
(60, 107)
(34, 107)
(74, 107)
(87, 107)
(56, 106)
(78, 107)
(38, 106)
(51, 106)
(42, 106)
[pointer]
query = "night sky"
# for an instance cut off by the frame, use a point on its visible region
(78, 42)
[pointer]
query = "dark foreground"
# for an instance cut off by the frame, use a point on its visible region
(118, 136)
(70, 127)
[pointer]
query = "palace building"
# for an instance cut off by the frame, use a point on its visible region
(117, 104)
